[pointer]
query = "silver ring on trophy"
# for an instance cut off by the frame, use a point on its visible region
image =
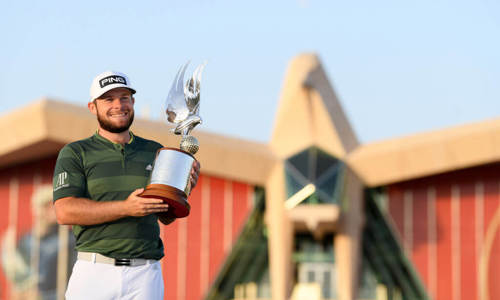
(172, 167)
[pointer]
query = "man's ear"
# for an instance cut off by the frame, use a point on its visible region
(92, 107)
(133, 100)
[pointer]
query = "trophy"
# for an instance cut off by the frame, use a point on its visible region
(172, 167)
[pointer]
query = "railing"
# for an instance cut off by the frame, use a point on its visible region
(306, 291)
(247, 291)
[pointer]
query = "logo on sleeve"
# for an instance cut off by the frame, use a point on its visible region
(149, 167)
(61, 181)
(111, 80)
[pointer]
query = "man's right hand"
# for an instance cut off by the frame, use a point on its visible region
(83, 211)
(137, 206)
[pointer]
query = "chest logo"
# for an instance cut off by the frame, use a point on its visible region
(149, 167)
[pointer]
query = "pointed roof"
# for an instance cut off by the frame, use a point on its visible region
(309, 112)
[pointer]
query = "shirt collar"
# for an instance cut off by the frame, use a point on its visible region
(101, 138)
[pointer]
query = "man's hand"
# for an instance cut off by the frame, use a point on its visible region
(83, 211)
(195, 173)
(137, 206)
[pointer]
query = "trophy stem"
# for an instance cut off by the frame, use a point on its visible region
(189, 144)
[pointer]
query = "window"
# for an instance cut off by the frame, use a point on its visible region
(314, 166)
(315, 262)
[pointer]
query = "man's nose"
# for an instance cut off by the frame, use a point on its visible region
(117, 102)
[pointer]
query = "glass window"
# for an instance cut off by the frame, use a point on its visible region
(367, 288)
(310, 276)
(317, 167)
(327, 284)
(315, 262)
(301, 162)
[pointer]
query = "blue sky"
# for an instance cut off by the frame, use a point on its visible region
(398, 67)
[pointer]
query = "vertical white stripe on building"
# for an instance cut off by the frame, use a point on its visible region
(13, 202)
(432, 240)
(479, 227)
(35, 230)
(228, 215)
(62, 261)
(181, 258)
(408, 221)
(10, 239)
(455, 242)
(205, 234)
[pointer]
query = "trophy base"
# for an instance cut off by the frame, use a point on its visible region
(176, 199)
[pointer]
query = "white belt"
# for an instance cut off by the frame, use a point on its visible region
(99, 258)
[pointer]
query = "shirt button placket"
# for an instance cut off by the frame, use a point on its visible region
(122, 152)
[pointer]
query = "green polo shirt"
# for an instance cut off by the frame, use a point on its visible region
(101, 170)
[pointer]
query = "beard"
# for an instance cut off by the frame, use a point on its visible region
(108, 126)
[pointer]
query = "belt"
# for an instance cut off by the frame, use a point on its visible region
(99, 258)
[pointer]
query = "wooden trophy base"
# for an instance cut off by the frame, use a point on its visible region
(176, 199)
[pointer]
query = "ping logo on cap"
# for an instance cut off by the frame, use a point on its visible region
(111, 80)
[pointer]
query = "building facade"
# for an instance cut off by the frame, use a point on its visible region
(313, 214)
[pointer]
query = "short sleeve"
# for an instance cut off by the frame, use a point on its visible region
(69, 175)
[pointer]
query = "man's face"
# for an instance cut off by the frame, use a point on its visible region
(114, 110)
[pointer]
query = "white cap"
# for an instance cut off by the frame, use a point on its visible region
(107, 81)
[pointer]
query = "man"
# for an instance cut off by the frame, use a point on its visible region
(97, 183)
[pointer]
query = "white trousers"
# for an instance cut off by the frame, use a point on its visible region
(99, 281)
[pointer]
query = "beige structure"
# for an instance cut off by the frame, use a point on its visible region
(310, 115)
(45, 126)
(428, 153)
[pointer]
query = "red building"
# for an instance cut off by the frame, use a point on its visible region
(314, 210)
(448, 224)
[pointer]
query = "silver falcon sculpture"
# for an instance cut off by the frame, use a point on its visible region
(183, 106)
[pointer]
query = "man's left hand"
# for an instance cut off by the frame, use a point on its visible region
(195, 173)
